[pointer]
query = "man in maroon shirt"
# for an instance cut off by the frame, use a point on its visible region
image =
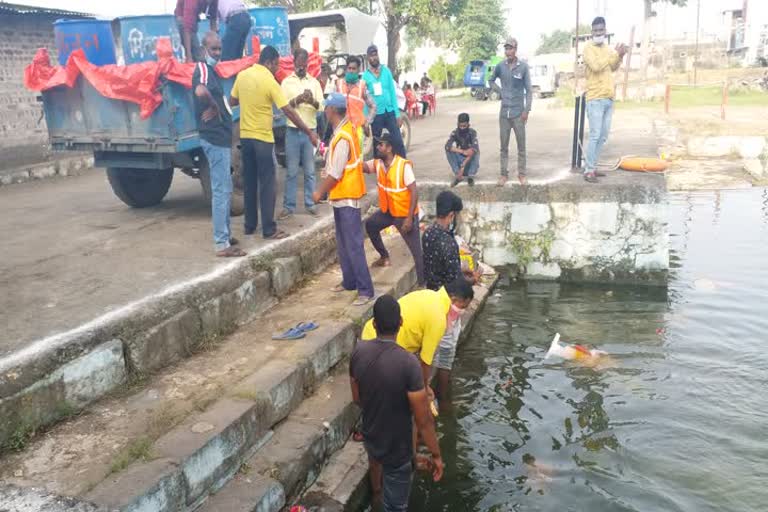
(187, 14)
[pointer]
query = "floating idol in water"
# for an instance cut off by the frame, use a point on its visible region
(572, 352)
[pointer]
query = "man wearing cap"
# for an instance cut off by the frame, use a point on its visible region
(398, 203)
(382, 86)
(516, 99)
(345, 185)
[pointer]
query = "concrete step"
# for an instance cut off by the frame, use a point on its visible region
(187, 431)
(343, 486)
(293, 457)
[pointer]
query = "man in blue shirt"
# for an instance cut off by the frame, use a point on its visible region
(382, 88)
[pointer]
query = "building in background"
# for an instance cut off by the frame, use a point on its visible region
(23, 134)
(745, 31)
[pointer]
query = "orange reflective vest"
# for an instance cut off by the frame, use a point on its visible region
(352, 184)
(355, 101)
(394, 196)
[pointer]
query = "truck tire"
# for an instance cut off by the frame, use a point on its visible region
(237, 200)
(140, 188)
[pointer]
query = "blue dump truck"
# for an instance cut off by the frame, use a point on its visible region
(141, 155)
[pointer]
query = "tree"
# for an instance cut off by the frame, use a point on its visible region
(560, 40)
(479, 29)
(647, 16)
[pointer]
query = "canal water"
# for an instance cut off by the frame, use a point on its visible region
(676, 421)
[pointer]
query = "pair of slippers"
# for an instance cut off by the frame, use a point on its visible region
(296, 333)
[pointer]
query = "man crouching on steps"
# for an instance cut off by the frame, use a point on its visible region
(398, 203)
(387, 383)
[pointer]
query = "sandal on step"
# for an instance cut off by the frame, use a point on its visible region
(231, 252)
(306, 326)
(277, 235)
(291, 334)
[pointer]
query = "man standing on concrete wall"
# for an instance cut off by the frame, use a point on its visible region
(304, 94)
(600, 62)
(387, 384)
(238, 25)
(516, 99)
(382, 86)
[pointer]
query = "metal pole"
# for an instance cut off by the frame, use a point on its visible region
(575, 146)
(580, 155)
(576, 50)
(629, 59)
(696, 54)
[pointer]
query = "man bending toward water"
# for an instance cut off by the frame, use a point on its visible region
(387, 384)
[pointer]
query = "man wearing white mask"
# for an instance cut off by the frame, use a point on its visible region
(600, 62)
(427, 315)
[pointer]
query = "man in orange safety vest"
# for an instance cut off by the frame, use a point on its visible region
(398, 203)
(354, 89)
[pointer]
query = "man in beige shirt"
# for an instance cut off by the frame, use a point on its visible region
(303, 93)
(600, 62)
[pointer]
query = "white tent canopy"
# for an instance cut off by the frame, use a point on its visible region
(359, 29)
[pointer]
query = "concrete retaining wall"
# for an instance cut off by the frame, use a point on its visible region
(58, 376)
(571, 232)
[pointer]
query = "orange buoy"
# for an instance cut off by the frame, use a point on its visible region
(642, 164)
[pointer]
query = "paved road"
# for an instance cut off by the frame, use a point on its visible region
(72, 252)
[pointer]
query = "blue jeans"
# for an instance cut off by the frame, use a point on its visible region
(219, 161)
(389, 121)
(237, 30)
(396, 488)
(298, 152)
(599, 113)
(455, 160)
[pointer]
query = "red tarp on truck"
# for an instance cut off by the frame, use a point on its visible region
(138, 83)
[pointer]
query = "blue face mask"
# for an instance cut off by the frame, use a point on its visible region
(210, 60)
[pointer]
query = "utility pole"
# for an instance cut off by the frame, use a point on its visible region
(696, 52)
(576, 50)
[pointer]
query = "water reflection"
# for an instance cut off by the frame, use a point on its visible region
(673, 424)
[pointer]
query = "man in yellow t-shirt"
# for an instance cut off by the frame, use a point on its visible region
(600, 62)
(427, 314)
(256, 90)
(304, 94)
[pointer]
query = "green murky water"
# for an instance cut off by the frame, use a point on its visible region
(678, 422)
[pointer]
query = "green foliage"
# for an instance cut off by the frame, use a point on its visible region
(479, 29)
(529, 247)
(559, 40)
(138, 449)
(445, 75)
(294, 6)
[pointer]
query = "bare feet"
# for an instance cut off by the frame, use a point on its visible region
(502, 181)
(382, 262)
(522, 179)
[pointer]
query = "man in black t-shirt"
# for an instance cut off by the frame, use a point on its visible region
(214, 124)
(387, 383)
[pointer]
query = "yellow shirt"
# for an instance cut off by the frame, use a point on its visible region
(600, 63)
(294, 86)
(257, 90)
(424, 315)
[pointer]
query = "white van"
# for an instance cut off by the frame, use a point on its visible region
(543, 78)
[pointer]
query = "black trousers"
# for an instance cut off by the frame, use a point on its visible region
(259, 185)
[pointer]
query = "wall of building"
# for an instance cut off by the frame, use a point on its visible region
(23, 135)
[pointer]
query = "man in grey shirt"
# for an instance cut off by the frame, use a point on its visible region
(516, 99)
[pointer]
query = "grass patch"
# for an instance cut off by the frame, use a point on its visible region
(137, 450)
(682, 97)
(27, 428)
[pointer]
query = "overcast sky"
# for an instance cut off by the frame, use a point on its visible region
(527, 19)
